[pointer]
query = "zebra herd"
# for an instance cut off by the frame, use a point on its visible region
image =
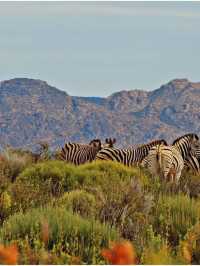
(166, 161)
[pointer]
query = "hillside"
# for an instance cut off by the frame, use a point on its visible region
(31, 111)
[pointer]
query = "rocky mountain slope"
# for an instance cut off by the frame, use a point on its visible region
(32, 111)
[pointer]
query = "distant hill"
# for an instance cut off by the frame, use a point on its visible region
(31, 111)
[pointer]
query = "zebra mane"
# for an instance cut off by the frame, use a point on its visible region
(189, 135)
(95, 141)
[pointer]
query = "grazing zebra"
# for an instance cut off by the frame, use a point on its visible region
(81, 153)
(168, 161)
(129, 156)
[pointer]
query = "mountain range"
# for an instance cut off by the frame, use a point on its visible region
(32, 111)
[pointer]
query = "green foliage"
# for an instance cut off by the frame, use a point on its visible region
(68, 233)
(174, 215)
(56, 175)
(37, 184)
(5, 205)
(122, 196)
(80, 202)
(96, 173)
(157, 251)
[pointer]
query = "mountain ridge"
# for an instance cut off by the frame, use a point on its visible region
(31, 110)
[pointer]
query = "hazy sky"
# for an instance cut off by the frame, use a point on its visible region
(95, 49)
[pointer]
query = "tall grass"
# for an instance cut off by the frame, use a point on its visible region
(13, 163)
(175, 215)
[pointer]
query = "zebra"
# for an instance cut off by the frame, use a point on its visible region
(130, 156)
(193, 163)
(168, 161)
(77, 154)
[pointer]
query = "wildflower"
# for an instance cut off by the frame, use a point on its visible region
(120, 253)
(8, 255)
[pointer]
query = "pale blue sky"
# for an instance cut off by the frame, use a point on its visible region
(95, 49)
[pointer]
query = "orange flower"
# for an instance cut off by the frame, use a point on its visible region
(122, 253)
(8, 255)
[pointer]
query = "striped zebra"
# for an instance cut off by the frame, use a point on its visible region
(77, 154)
(192, 163)
(130, 156)
(168, 161)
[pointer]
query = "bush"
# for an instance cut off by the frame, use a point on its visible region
(174, 215)
(80, 202)
(37, 184)
(96, 173)
(56, 175)
(67, 233)
(13, 163)
(122, 199)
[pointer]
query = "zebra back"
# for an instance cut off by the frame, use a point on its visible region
(80, 153)
(129, 156)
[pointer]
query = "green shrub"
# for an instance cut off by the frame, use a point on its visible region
(95, 173)
(56, 175)
(40, 182)
(37, 184)
(174, 215)
(80, 202)
(67, 233)
(122, 199)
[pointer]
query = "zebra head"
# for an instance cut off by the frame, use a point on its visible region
(163, 142)
(96, 143)
(109, 143)
(195, 146)
(188, 144)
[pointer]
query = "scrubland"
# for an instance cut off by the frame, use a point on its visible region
(56, 213)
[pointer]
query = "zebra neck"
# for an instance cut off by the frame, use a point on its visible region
(183, 148)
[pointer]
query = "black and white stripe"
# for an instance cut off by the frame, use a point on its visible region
(77, 154)
(192, 163)
(168, 161)
(129, 156)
